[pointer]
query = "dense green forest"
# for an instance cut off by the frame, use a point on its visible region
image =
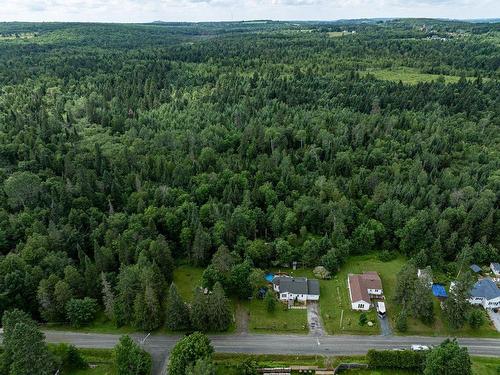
(126, 150)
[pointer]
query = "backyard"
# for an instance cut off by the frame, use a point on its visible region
(336, 312)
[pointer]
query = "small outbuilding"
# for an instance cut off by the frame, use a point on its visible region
(475, 268)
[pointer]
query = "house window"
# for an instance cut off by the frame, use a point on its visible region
(361, 305)
(283, 295)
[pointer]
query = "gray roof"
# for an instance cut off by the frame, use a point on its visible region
(276, 279)
(475, 268)
(313, 286)
(496, 266)
(485, 288)
(298, 285)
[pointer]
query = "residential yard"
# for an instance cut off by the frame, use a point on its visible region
(281, 320)
(335, 295)
(441, 328)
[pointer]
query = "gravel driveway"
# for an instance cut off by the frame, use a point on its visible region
(495, 318)
(314, 320)
(385, 327)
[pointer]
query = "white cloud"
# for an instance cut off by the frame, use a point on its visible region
(211, 10)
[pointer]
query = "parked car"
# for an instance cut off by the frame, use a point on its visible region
(419, 348)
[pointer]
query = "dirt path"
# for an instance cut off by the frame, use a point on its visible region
(242, 318)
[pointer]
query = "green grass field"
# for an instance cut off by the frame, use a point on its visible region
(335, 34)
(281, 320)
(407, 75)
(187, 279)
(100, 361)
(101, 324)
(335, 295)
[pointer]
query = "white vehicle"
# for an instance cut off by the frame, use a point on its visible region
(381, 309)
(419, 348)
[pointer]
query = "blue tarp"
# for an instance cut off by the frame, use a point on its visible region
(439, 291)
(269, 277)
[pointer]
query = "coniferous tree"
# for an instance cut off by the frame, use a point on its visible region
(177, 313)
(25, 350)
(200, 317)
(457, 306)
(219, 310)
(107, 297)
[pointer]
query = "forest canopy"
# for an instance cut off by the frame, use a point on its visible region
(128, 149)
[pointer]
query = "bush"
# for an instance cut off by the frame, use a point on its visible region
(386, 256)
(363, 319)
(402, 322)
(68, 358)
(187, 351)
(476, 318)
(247, 367)
(81, 311)
(396, 359)
(130, 359)
(321, 273)
(448, 358)
(270, 300)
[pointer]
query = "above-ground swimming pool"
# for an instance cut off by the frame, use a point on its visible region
(269, 277)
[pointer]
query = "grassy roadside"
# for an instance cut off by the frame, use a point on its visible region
(227, 364)
(101, 362)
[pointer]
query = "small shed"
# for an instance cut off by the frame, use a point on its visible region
(439, 291)
(475, 268)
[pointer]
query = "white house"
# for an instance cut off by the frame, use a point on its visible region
(362, 288)
(299, 289)
(495, 268)
(485, 293)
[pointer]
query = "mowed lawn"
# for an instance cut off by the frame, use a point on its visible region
(187, 279)
(335, 303)
(282, 320)
(441, 328)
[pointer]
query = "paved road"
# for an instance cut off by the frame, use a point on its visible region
(160, 345)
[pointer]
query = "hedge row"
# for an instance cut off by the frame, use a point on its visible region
(397, 359)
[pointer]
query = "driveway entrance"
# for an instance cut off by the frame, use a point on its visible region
(314, 320)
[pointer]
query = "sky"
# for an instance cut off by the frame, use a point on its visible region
(235, 10)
